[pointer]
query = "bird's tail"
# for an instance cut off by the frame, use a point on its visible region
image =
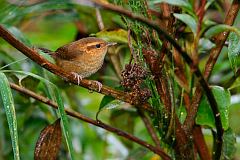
(45, 50)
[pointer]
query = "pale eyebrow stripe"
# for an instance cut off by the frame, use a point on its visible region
(94, 43)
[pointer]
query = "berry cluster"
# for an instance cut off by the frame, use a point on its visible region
(133, 78)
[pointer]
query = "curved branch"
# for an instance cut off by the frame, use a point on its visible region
(34, 55)
(84, 118)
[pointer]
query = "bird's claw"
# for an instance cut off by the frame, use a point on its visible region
(79, 77)
(99, 85)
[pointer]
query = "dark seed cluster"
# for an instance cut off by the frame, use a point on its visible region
(133, 78)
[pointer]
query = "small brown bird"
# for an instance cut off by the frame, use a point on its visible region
(83, 57)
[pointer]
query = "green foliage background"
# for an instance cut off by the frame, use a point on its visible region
(34, 27)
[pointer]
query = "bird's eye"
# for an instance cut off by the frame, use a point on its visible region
(98, 45)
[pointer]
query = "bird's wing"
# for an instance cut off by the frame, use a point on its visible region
(69, 51)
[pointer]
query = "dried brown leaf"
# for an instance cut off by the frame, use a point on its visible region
(49, 142)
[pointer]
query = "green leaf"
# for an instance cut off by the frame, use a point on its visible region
(113, 104)
(29, 74)
(220, 28)
(229, 144)
(205, 115)
(14, 14)
(8, 104)
(108, 102)
(236, 84)
(208, 4)
(6, 58)
(64, 120)
(234, 50)
(117, 35)
(205, 45)
(180, 3)
(188, 20)
(105, 101)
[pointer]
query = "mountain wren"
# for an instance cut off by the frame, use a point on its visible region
(83, 57)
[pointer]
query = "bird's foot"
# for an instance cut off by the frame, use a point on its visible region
(99, 85)
(79, 77)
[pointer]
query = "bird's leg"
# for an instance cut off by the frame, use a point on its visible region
(99, 85)
(79, 77)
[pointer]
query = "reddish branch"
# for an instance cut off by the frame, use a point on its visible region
(200, 13)
(84, 118)
(200, 143)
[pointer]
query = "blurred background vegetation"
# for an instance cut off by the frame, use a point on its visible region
(51, 24)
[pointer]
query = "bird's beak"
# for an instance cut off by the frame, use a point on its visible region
(111, 43)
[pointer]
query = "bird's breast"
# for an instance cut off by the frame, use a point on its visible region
(84, 65)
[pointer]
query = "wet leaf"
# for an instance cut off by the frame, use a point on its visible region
(9, 108)
(109, 102)
(229, 144)
(234, 50)
(105, 101)
(220, 28)
(49, 142)
(65, 124)
(205, 115)
(59, 101)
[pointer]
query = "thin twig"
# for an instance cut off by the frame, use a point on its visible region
(99, 19)
(91, 121)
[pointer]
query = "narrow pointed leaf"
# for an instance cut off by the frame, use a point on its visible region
(219, 29)
(8, 104)
(65, 124)
(188, 20)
